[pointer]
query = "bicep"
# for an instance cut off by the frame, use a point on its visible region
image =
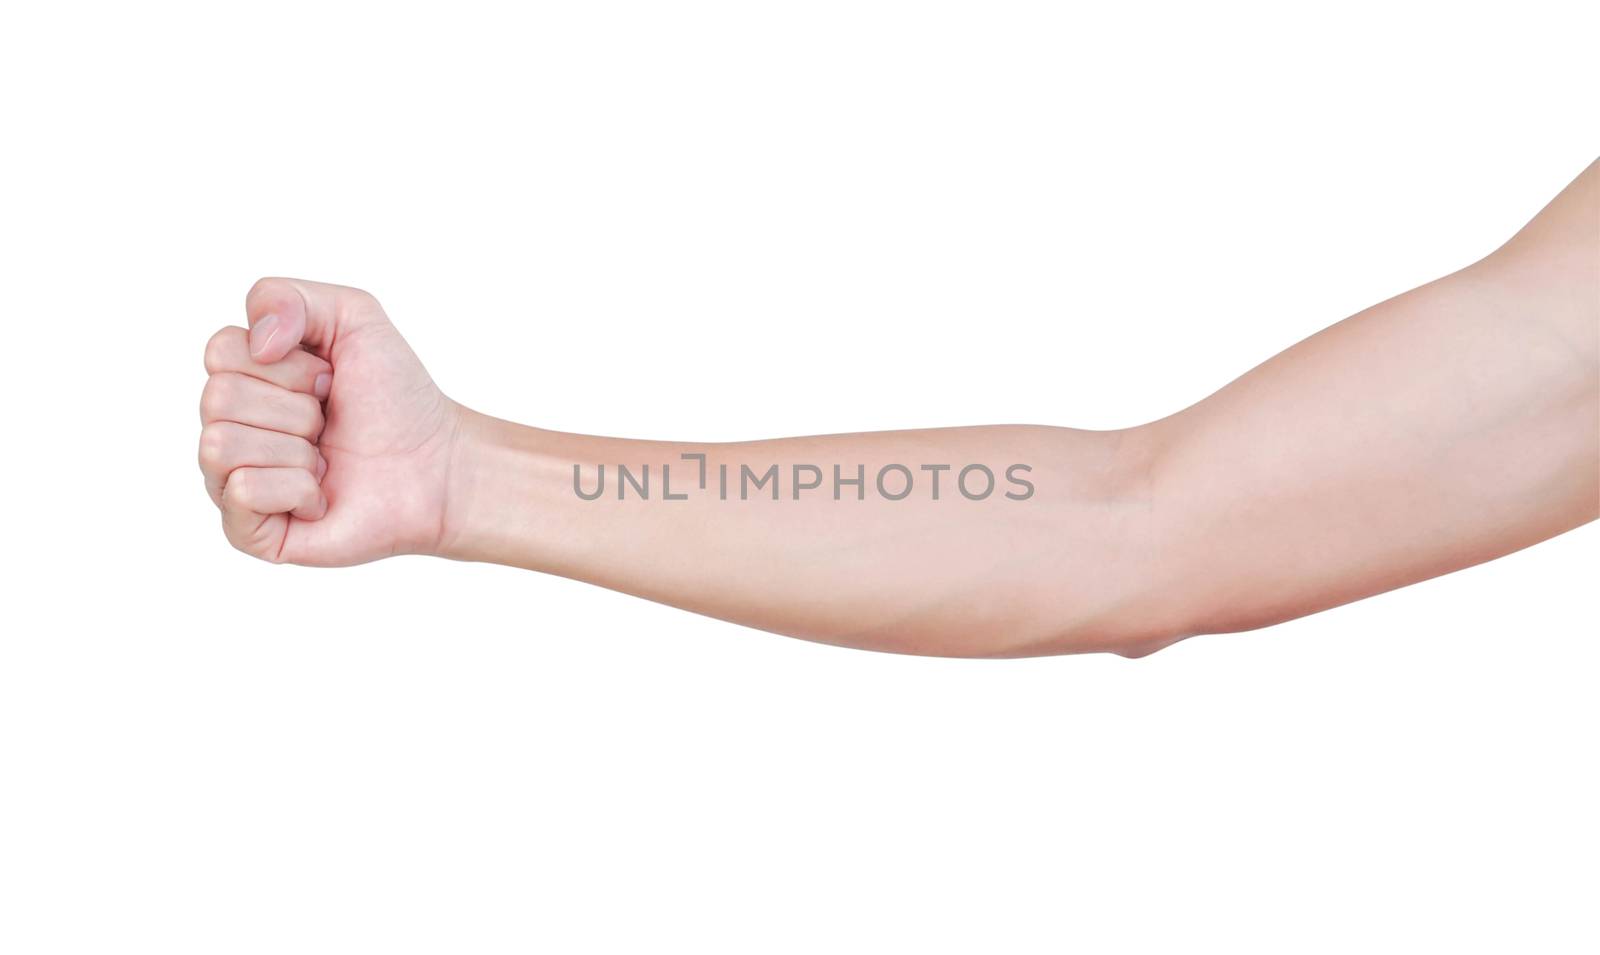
(1444, 427)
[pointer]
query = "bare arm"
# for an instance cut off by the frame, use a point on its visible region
(1439, 429)
(1447, 426)
(842, 562)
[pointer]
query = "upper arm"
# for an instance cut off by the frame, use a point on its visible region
(1444, 427)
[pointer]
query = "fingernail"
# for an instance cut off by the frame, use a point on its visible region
(322, 385)
(261, 334)
(322, 465)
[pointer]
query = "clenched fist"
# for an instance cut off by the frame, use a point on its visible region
(323, 440)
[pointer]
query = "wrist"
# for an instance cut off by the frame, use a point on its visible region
(467, 487)
(494, 511)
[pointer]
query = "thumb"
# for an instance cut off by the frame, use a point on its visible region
(284, 313)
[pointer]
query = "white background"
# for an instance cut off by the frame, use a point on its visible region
(733, 221)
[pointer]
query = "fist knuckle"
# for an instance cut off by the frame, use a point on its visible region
(220, 346)
(213, 447)
(240, 491)
(214, 398)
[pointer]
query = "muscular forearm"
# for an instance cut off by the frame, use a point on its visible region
(966, 541)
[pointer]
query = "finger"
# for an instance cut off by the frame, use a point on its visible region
(253, 493)
(284, 313)
(299, 370)
(255, 503)
(226, 446)
(230, 396)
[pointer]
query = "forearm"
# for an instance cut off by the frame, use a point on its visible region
(1041, 547)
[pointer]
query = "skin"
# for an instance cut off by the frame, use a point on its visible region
(1447, 426)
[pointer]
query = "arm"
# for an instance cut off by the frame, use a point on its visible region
(1057, 566)
(1442, 428)
(1445, 427)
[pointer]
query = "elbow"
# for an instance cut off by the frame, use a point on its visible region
(1119, 638)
